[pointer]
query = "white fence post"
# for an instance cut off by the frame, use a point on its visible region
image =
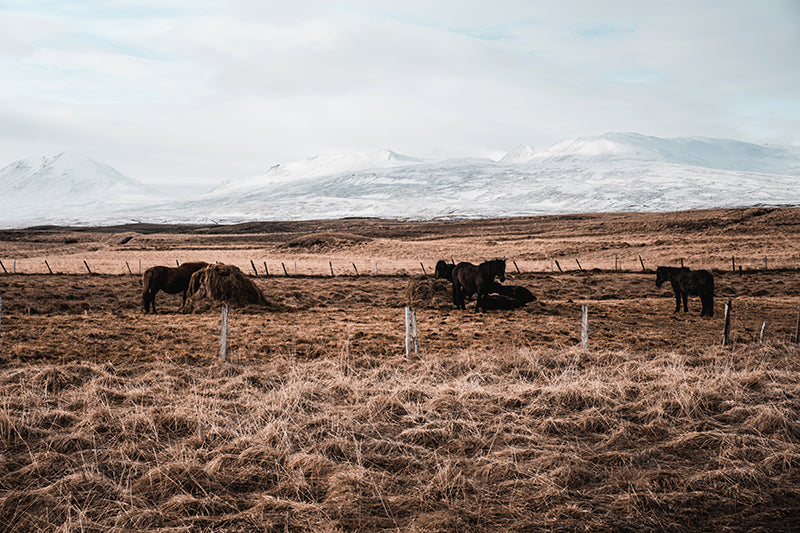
(408, 332)
(584, 326)
(223, 342)
(414, 332)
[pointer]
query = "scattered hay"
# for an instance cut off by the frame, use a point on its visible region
(216, 284)
(429, 293)
(326, 241)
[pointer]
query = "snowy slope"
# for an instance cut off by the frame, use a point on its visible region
(67, 187)
(612, 172)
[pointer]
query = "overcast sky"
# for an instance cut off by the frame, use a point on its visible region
(207, 90)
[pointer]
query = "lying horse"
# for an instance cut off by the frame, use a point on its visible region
(444, 270)
(171, 280)
(469, 279)
(517, 292)
(685, 282)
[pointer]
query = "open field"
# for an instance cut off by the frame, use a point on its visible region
(117, 421)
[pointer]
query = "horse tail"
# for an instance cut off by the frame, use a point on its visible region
(146, 281)
(705, 290)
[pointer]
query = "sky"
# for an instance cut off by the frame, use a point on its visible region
(188, 93)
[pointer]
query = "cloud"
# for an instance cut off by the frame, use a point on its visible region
(210, 90)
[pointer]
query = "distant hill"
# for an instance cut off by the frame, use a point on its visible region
(611, 172)
(67, 188)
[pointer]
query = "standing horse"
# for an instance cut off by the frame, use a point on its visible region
(685, 282)
(469, 279)
(171, 280)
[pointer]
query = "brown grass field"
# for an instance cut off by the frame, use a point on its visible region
(112, 420)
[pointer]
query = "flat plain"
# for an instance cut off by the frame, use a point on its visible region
(119, 421)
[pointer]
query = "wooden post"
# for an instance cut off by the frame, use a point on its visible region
(761, 333)
(15, 266)
(254, 268)
(551, 264)
(295, 269)
(733, 263)
(223, 338)
(356, 269)
(129, 268)
(1, 317)
(408, 332)
(797, 329)
(414, 335)
(559, 266)
(641, 262)
(423, 268)
(48, 266)
(140, 267)
(330, 264)
(765, 263)
(284, 270)
(726, 331)
(681, 262)
(579, 264)
(87, 266)
(584, 326)
(376, 268)
(515, 266)
(4, 267)
(616, 262)
(177, 263)
(266, 270)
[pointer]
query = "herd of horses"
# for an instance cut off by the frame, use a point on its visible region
(484, 280)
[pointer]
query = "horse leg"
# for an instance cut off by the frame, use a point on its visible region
(677, 301)
(685, 297)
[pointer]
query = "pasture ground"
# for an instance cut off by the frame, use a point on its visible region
(117, 421)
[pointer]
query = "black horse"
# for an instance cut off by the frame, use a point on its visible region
(685, 282)
(469, 279)
(444, 270)
(171, 280)
(518, 292)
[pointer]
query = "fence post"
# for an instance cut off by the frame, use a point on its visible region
(254, 268)
(4, 267)
(408, 332)
(584, 326)
(616, 262)
(177, 263)
(681, 262)
(356, 269)
(266, 270)
(551, 264)
(140, 267)
(733, 263)
(414, 335)
(726, 331)
(129, 268)
(48, 266)
(284, 270)
(559, 266)
(330, 264)
(15, 265)
(1, 317)
(295, 269)
(423, 268)
(223, 340)
(761, 333)
(376, 268)
(515, 266)
(642, 263)
(87, 266)
(579, 264)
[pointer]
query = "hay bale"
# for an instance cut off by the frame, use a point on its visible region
(217, 284)
(429, 293)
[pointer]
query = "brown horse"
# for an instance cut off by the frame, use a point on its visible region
(685, 282)
(172, 280)
(469, 279)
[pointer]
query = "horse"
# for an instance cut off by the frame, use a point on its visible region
(469, 279)
(444, 270)
(518, 292)
(171, 280)
(685, 282)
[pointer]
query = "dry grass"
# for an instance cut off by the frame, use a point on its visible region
(519, 439)
(111, 420)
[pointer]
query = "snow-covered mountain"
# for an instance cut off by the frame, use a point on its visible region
(67, 188)
(611, 172)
